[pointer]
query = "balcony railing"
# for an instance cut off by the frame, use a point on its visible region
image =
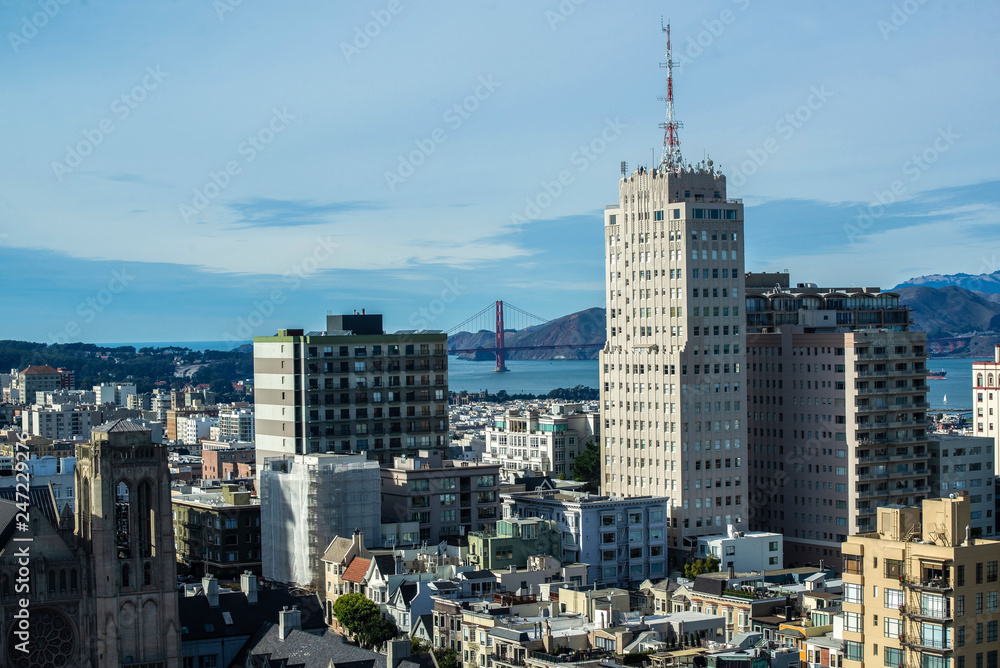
(934, 584)
(927, 614)
(921, 646)
(507, 660)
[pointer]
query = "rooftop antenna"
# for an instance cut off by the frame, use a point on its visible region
(670, 159)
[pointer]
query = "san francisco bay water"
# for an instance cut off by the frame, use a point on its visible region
(542, 376)
(523, 377)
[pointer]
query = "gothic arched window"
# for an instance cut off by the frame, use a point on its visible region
(123, 519)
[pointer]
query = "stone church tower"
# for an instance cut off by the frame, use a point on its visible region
(103, 585)
(124, 526)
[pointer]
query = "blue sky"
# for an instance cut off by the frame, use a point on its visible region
(196, 170)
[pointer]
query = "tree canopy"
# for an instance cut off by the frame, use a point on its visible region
(709, 564)
(363, 620)
(446, 657)
(587, 468)
(95, 364)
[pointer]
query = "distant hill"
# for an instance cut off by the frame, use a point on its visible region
(989, 283)
(582, 327)
(958, 321)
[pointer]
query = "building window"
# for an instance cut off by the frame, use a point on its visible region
(893, 598)
(934, 635)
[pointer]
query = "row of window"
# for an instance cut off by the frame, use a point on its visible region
(377, 350)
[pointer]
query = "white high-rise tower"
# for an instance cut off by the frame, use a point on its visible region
(673, 370)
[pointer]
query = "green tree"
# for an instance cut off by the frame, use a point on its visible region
(693, 569)
(446, 657)
(363, 620)
(587, 468)
(418, 646)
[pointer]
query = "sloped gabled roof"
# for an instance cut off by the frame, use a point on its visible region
(337, 551)
(119, 426)
(38, 369)
(357, 569)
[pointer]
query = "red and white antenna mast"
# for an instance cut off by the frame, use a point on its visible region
(670, 159)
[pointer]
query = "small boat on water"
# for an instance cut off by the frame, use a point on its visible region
(936, 375)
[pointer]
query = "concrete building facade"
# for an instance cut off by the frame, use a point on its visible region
(193, 428)
(59, 422)
(744, 551)
(236, 425)
(447, 498)
(919, 591)
(544, 442)
(42, 378)
(114, 393)
(513, 541)
(837, 412)
(986, 401)
(673, 369)
(963, 465)
(624, 540)
(351, 388)
(218, 531)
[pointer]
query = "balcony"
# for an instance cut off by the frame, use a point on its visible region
(571, 657)
(507, 660)
(929, 584)
(918, 645)
(868, 408)
(926, 614)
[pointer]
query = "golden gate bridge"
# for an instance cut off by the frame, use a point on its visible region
(501, 318)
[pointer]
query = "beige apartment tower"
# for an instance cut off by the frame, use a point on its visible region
(920, 591)
(836, 413)
(673, 392)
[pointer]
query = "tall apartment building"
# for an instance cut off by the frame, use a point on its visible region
(114, 393)
(193, 428)
(545, 442)
(308, 500)
(837, 412)
(59, 422)
(142, 402)
(351, 388)
(986, 400)
(42, 378)
(176, 422)
(236, 425)
(920, 591)
(447, 498)
(160, 403)
(673, 395)
(964, 465)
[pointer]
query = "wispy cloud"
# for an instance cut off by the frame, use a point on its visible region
(264, 212)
